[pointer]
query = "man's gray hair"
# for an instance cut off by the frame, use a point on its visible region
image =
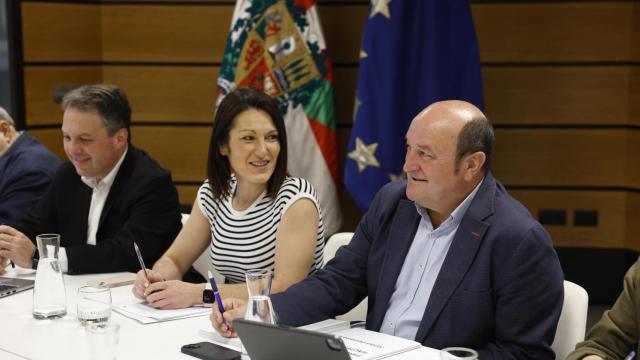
(4, 115)
(109, 101)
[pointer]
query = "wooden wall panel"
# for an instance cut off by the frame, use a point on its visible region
(632, 221)
(554, 31)
(342, 27)
(39, 83)
(187, 193)
(52, 139)
(557, 95)
(61, 32)
(183, 150)
(560, 157)
(165, 33)
(610, 232)
(344, 90)
(167, 93)
(633, 159)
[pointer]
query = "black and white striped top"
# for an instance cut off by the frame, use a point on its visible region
(246, 240)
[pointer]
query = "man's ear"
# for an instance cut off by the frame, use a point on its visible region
(121, 136)
(472, 164)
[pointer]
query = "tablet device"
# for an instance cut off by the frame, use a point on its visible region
(9, 286)
(273, 342)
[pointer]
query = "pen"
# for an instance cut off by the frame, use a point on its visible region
(144, 268)
(216, 295)
(631, 355)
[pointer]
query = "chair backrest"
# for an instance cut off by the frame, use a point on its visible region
(573, 320)
(334, 243)
(358, 313)
(203, 263)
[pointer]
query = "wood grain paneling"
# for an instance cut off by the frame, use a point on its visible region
(171, 93)
(52, 139)
(183, 150)
(165, 33)
(633, 159)
(187, 193)
(560, 157)
(39, 83)
(610, 232)
(554, 31)
(632, 221)
(61, 32)
(342, 27)
(344, 89)
(558, 95)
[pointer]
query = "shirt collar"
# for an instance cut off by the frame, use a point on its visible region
(457, 214)
(107, 180)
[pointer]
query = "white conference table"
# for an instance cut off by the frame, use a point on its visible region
(23, 337)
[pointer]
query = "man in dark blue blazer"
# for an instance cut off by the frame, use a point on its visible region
(446, 257)
(26, 170)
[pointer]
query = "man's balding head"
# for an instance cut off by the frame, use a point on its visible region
(473, 130)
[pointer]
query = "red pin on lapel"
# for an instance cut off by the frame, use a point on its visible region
(475, 234)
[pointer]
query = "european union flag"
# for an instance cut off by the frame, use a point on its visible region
(414, 53)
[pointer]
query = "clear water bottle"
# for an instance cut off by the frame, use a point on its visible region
(259, 306)
(49, 296)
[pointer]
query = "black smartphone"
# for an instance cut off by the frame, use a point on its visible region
(209, 351)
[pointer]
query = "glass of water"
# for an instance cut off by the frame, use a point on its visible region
(94, 305)
(103, 341)
(458, 353)
(259, 306)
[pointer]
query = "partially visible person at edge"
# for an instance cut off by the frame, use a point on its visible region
(249, 212)
(107, 195)
(26, 170)
(618, 332)
(446, 258)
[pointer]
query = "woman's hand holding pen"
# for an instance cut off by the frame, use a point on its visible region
(173, 294)
(142, 283)
(233, 309)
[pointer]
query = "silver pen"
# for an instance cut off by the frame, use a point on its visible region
(144, 268)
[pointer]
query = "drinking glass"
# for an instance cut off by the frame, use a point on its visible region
(458, 353)
(259, 306)
(94, 305)
(103, 340)
(49, 296)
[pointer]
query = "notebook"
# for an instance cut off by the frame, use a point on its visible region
(272, 342)
(9, 286)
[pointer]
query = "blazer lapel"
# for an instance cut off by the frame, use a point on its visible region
(401, 234)
(118, 185)
(460, 256)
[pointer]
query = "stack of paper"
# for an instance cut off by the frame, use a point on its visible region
(365, 344)
(126, 304)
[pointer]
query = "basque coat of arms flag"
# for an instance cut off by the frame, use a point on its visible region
(278, 47)
(413, 53)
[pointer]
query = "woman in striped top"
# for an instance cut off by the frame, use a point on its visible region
(249, 212)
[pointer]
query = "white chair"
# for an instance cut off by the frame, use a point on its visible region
(358, 313)
(203, 262)
(573, 320)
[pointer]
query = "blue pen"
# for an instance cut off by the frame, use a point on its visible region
(631, 355)
(216, 295)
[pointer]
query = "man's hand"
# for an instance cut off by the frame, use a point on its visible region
(16, 246)
(142, 283)
(233, 309)
(3, 264)
(592, 357)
